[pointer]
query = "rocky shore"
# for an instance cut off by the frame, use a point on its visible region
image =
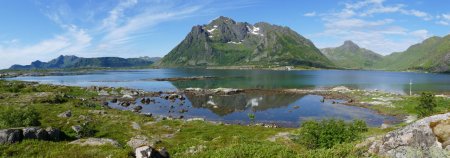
(427, 137)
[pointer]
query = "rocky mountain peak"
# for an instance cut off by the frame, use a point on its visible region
(222, 19)
(350, 55)
(350, 44)
(224, 41)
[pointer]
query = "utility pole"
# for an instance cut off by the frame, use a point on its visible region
(410, 86)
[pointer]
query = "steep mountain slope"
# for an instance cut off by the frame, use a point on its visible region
(433, 55)
(77, 62)
(225, 42)
(350, 55)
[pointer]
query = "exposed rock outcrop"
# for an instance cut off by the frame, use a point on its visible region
(96, 142)
(340, 89)
(8, 136)
(54, 134)
(442, 131)
(149, 152)
(66, 114)
(218, 91)
(138, 141)
(13, 135)
(427, 137)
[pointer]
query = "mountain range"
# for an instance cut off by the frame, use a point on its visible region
(432, 55)
(70, 61)
(225, 42)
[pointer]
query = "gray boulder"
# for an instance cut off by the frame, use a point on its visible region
(54, 133)
(42, 134)
(442, 130)
(139, 141)
(149, 152)
(96, 142)
(415, 140)
(143, 152)
(65, 114)
(30, 132)
(137, 108)
(8, 136)
(164, 153)
(17, 134)
(77, 129)
(135, 126)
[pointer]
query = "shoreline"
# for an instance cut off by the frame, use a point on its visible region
(6, 73)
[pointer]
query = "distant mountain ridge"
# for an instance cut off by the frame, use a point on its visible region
(433, 55)
(350, 55)
(224, 42)
(71, 61)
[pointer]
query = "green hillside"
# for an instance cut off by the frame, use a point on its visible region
(433, 55)
(351, 56)
(225, 42)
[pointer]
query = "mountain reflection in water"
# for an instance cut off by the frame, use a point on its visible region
(283, 109)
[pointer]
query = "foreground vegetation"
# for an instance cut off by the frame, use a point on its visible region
(31, 104)
(421, 104)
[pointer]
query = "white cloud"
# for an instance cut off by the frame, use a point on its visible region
(380, 9)
(73, 41)
(371, 7)
(310, 14)
(10, 42)
(138, 25)
(441, 22)
(443, 19)
(446, 16)
(110, 36)
(117, 13)
(422, 34)
(417, 13)
(361, 4)
(359, 21)
(355, 23)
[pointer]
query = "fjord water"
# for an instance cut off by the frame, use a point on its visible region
(397, 82)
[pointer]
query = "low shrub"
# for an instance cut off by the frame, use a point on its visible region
(54, 99)
(327, 133)
(85, 103)
(427, 104)
(14, 117)
(87, 130)
(14, 87)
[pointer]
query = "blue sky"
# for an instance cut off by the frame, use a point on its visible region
(44, 29)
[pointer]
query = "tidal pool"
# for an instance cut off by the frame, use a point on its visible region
(287, 110)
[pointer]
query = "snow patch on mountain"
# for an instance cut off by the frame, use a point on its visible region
(254, 30)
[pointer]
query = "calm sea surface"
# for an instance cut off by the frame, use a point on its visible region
(387, 81)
